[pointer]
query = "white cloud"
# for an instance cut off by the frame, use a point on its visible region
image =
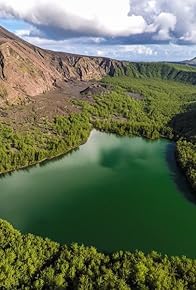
(138, 49)
(163, 24)
(23, 32)
(176, 18)
(99, 52)
(109, 18)
(148, 20)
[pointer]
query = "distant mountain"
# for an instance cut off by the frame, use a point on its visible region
(190, 62)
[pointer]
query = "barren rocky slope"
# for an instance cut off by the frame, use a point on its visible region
(26, 70)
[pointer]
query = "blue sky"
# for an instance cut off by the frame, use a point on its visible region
(145, 30)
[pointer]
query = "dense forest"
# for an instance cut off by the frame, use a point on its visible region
(186, 154)
(30, 262)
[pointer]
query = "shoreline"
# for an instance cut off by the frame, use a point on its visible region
(63, 154)
(10, 172)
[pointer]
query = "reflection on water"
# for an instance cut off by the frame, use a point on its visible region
(113, 193)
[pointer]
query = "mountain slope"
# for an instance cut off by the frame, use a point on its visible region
(26, 70)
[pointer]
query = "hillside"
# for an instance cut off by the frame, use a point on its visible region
(164, 71)
(27, 70)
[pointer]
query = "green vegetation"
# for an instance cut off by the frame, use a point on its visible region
(164, 71)
(183, 67)
(186, 153)
(161, 102)
(30, 262)
(21, 149)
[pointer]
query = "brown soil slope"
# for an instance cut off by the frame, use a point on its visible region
(26, 70)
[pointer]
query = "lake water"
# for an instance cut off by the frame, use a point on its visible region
(113, 193)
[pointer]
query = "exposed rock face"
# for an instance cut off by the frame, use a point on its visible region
(26, 70)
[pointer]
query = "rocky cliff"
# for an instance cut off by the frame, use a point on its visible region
(26, 70)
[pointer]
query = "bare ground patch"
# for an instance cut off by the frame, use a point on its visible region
(46, 106)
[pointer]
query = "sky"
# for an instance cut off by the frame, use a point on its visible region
(135, 30)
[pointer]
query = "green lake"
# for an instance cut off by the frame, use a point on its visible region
(113, 193)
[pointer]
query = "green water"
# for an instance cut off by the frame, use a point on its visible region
(113, 193)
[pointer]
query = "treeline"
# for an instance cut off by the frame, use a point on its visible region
(186, 155)
(30, 262)
(20, 149)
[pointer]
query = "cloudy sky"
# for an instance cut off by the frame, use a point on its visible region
(138, 30)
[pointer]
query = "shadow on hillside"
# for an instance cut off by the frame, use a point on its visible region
(184, 124)
(177, 175)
